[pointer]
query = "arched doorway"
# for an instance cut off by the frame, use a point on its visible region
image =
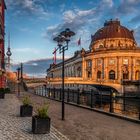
(99, 75)
(137, 75)
(112, 75)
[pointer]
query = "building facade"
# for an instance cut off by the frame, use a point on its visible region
(2, 34)
(113, 57)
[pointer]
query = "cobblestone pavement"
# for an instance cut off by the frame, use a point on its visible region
(13, 127)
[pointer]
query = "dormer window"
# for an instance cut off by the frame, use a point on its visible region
(101, 46)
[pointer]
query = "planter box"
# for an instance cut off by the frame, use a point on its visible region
(26, 110)
(2, 95)
(41, 126)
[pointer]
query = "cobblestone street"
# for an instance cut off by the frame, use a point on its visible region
(13, 127)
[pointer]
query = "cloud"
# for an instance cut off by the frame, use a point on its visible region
(137, 34)
(129, 6)
(25, 50)
(34, 7)
(73, 19)
(76, 18)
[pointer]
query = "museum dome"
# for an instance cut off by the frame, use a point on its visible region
(113, 29)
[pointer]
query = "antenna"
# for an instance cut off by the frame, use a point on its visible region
(8, 53)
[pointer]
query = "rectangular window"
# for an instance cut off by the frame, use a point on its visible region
(111, 61)
(89, 68)
(99, 62)
(125, 61)
(138, 62)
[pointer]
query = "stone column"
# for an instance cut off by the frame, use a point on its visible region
(120, 61)
(102, 68)
(83, 68)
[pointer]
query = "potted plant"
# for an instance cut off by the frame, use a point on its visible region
(26, 109)
(7, 90)
(2, 93)
(41, 122)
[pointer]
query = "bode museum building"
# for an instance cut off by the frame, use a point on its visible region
(113, 58)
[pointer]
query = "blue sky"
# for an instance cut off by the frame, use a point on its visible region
(33, 23)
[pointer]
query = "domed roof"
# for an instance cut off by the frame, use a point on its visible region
(112, 29)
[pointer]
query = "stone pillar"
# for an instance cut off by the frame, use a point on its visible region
(83, 68)
(106, 68)
(120, 62)
(117, 68)
(134, 68)
(102, 68)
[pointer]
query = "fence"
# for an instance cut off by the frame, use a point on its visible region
(129, 107)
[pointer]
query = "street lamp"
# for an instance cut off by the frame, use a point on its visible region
(18, 72)
(60, 39)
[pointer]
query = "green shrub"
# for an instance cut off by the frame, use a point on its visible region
(2, 91)
(43, 111)
(26, 100)
(7, 90)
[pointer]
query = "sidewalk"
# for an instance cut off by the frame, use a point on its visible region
(83, 124)
(13, 127)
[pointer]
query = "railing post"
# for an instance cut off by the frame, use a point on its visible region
(139, 112)
(78, 96)
(124, 101)
(60, 97)
(45, 90)
(73, 95)
(91, 99)
(111, 103)
(54, 93)
(68, 96)
(49, 92)
(42, 91)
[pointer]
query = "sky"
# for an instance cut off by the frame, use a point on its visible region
(33, 24)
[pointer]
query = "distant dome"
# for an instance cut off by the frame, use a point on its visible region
(112, 29)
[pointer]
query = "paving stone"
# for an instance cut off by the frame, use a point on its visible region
(13, 127)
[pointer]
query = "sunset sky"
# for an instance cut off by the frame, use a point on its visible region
(33, 23)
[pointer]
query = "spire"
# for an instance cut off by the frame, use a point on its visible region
(8, 53)
(9, 49)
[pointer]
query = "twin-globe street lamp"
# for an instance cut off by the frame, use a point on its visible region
(64, 37)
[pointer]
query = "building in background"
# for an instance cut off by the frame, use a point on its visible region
(2, 34)
(113, 58)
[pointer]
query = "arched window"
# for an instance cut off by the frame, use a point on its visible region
(99, 75)
(112, 75)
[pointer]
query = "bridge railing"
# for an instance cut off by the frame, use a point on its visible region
(127, 107)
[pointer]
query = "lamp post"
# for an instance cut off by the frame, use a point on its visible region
(21, 68)
(64, 37)
(18, 72)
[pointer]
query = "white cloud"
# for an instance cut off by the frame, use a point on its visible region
(26, 6)
(25, 50)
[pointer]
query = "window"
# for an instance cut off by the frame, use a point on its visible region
(138, 62)
(99, 62)
(89, 68)
(125, 61)
(89, 63)
(111, 61)
(112, 75)
(99, 75)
